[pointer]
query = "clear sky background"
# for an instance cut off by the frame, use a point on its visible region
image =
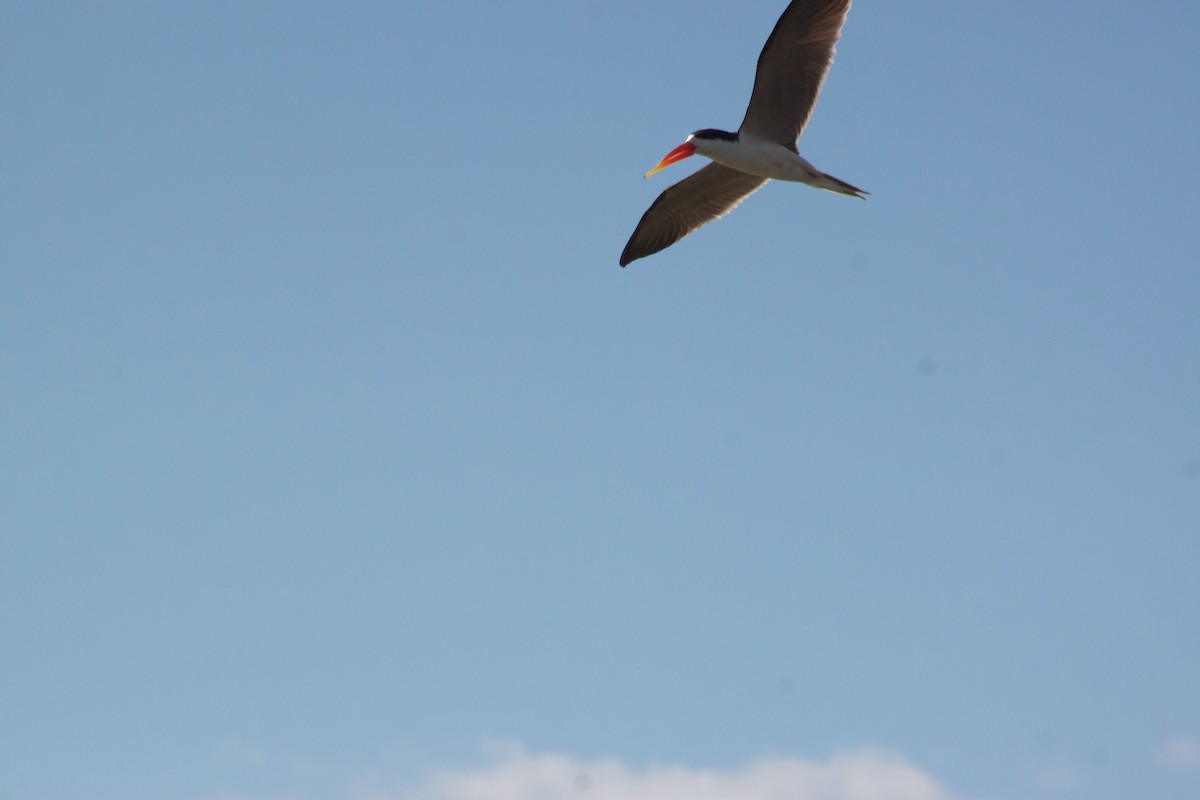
(340, 459)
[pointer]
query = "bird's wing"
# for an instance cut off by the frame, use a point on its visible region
(792, 67)
(705, 195)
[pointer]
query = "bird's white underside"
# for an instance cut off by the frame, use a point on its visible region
(760, 157)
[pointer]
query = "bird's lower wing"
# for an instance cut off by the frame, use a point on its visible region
(708, 194)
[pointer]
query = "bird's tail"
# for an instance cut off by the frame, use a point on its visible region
(833, 184)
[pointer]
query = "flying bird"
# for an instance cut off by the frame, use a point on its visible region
(791, 69)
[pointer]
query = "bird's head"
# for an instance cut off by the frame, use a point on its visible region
(696, 143)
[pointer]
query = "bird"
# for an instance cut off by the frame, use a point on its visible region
(791, 69)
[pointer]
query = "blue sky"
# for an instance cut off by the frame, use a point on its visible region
(339, 459)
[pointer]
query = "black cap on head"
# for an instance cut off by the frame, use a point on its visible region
(713, 133)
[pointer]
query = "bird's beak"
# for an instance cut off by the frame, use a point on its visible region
(678, 154)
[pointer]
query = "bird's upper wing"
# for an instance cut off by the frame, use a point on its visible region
(792, 67)
(705, 195)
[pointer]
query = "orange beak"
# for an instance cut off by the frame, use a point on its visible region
(678, 154)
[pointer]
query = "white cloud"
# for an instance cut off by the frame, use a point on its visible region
(1182, 752)
(515, 774)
